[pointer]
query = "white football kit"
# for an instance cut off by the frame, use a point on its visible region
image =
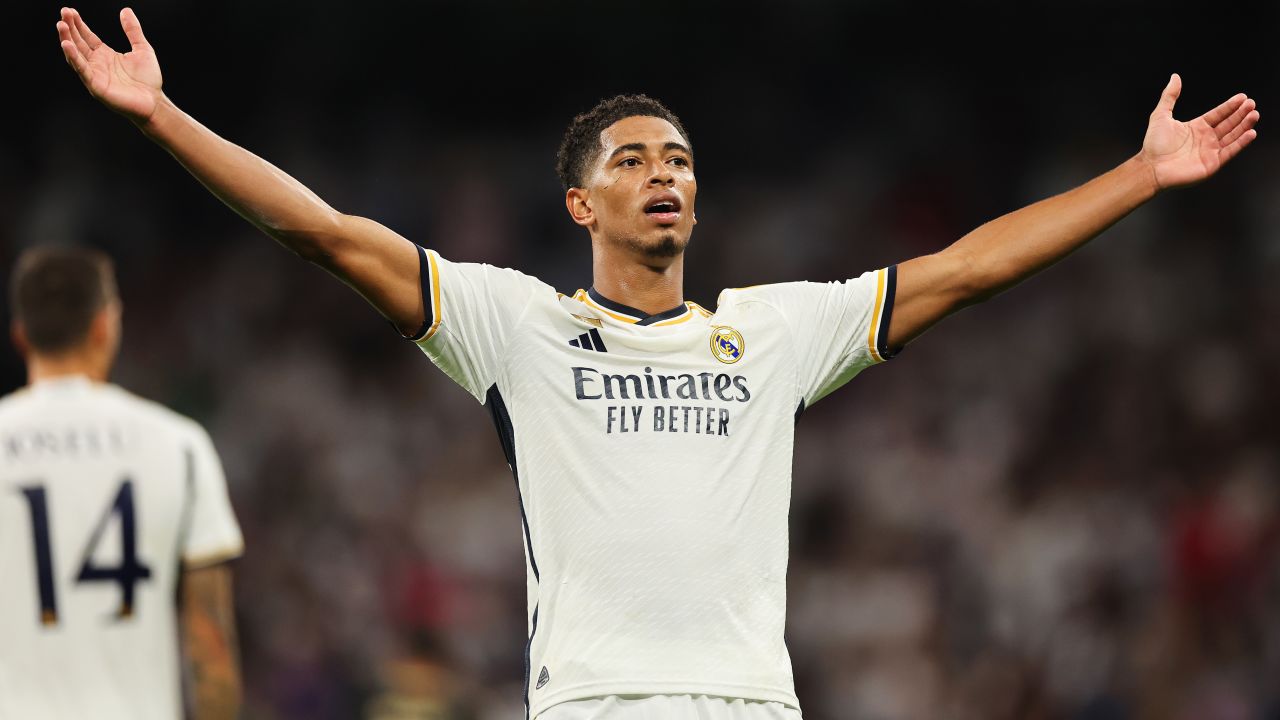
(669, 707)
(104, 498)
(652, 457)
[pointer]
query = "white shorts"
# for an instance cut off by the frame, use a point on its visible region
(668, 707)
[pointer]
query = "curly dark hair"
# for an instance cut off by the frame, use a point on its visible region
(581, 141)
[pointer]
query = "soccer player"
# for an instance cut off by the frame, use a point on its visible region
(109, 505)
(651, 439)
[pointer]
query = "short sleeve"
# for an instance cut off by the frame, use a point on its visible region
(212, 533)
(837, 328)
(473, 310)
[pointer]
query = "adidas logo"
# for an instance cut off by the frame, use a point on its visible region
(544, 677)
(589, 341)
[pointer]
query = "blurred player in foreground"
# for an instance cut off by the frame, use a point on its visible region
(108, 505)
(651, 439)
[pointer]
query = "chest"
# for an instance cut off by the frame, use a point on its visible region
(708, 379)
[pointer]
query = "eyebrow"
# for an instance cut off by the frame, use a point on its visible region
(641, 147)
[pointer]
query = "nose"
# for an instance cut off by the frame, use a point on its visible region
(662, 175)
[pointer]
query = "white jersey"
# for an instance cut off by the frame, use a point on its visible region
(104, 497)
(653, 461)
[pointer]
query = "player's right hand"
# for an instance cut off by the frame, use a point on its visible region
(128, 83)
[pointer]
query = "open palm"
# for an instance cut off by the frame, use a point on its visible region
(1182, 153)
(128, 83)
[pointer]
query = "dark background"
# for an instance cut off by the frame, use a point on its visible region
(1061, 504)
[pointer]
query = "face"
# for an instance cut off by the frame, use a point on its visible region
(641, 190)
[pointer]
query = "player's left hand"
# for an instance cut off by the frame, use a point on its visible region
(1182, 153)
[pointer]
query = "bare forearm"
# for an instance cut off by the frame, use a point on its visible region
(209, 644)
(216, 693)
(378, 263)
(1010, 248)
(263, 194)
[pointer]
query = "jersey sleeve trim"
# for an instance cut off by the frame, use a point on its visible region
(882, 314)
(213, 557)
(430, 279)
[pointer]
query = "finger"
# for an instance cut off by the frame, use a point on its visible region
(84, 31)
(76, 60)
(1220, 113)
(1226, 126)
(1234, 148)
(66, 34)
(75, 36)
(1246, 124)
(1169, 96)
(132, 28)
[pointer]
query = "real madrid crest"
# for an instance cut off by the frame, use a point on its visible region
(727, 344)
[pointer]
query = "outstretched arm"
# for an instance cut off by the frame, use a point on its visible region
(375, 261)
(209, 643)
(1009, 249)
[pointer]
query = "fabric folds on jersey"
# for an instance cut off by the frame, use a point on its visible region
(657, 474)
(506, 436)
(96, 469)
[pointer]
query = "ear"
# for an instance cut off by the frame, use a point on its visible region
(102, 329)
(578, 202)
(18, 334)
(116, 321)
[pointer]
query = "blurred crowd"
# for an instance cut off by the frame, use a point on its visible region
(1062, 504)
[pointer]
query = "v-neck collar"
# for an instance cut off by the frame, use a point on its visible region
(629, 314)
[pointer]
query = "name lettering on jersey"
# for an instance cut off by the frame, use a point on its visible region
(727, 344)
(592, 384)
(66, 442)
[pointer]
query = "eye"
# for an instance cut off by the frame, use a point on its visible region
(679, 161)
(629, 162)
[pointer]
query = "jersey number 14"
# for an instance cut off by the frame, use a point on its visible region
(127, 573)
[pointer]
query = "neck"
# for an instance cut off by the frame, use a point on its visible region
(44, 367)
(653, 285)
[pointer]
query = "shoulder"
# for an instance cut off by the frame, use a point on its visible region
(14, 399)
(803, 294)
(12, 405)
(157, 415)
(775, 296)
(108, 398)
(491, 274)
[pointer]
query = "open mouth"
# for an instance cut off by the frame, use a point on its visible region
(663, 207)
